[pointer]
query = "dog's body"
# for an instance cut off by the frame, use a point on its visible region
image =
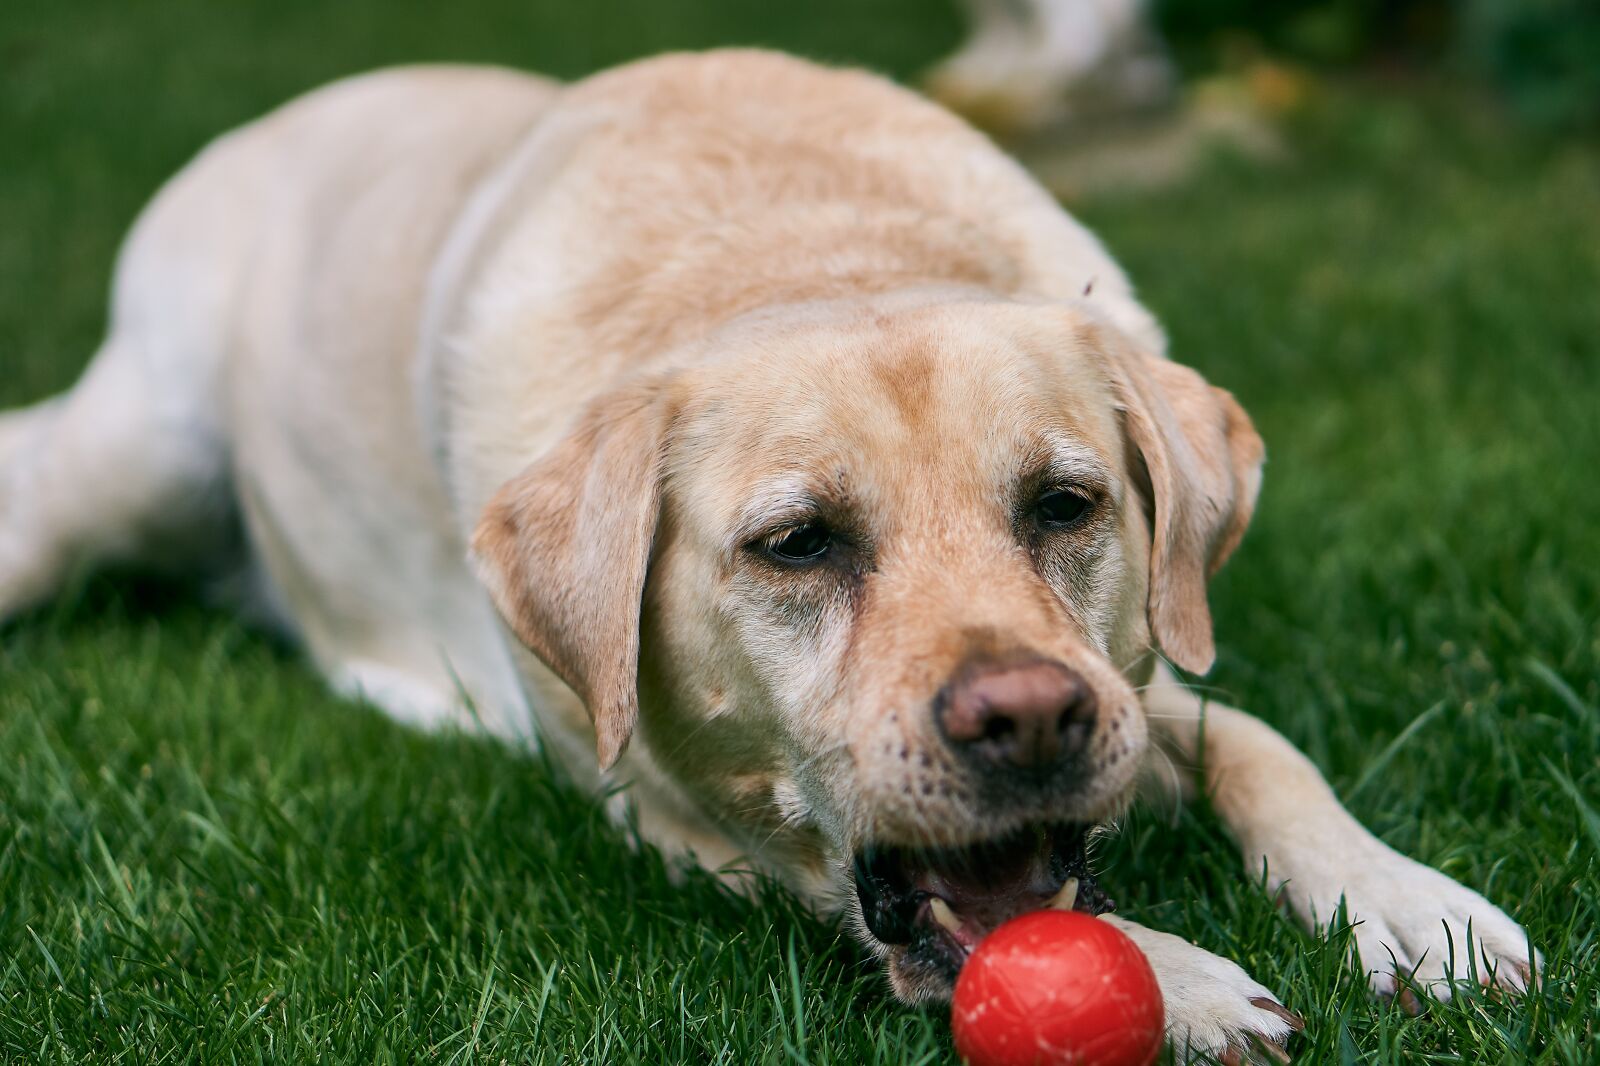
(916, 491)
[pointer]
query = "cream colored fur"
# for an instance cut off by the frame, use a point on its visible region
(617, 335)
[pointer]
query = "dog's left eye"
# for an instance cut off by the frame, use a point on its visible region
(1062, 509)
(805, 543)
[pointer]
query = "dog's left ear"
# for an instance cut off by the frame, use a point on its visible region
(1203, 458)
(563, 548)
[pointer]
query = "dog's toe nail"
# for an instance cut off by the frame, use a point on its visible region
(1272, 1006)
(1273, 1050)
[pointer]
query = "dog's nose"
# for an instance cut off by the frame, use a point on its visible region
(1029, 714)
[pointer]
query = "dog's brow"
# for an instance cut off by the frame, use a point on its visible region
(1061, 459)
(773, 504)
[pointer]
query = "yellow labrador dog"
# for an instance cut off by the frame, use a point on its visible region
(756, 424)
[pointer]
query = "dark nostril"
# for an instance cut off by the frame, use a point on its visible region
(998, 727)
(1074, 727)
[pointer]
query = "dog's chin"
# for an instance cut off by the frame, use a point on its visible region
(924, 910)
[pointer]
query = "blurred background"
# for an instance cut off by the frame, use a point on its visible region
(1375, 221)
(100, 101)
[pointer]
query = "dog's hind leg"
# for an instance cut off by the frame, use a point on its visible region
(130, 465)
(114, 471)
(24, 575)
(19, 425)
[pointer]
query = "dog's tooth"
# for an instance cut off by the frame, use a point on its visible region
(943, 914)
(1063, 900)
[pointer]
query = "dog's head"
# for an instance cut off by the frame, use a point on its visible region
(898, 574)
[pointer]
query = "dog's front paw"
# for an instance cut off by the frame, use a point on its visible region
(1414, 928)
(1213, 1007)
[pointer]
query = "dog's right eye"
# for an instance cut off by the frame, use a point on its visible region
(806, 543)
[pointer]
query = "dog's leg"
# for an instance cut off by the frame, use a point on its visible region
(113, 471)
(19, 426)
(1213, 1007)
(1412, 922)
(25, 577)
(130, 465)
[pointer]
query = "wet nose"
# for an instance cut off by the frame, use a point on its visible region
(1030, 714)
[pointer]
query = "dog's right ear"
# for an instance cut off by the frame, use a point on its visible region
(563, 548)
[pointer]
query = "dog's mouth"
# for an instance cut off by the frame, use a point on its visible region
(938, 903)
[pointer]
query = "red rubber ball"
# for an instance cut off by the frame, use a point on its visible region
(1057, 988)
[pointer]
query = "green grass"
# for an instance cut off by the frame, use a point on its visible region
(204, 857)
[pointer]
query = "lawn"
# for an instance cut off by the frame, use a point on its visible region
(205, 857)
